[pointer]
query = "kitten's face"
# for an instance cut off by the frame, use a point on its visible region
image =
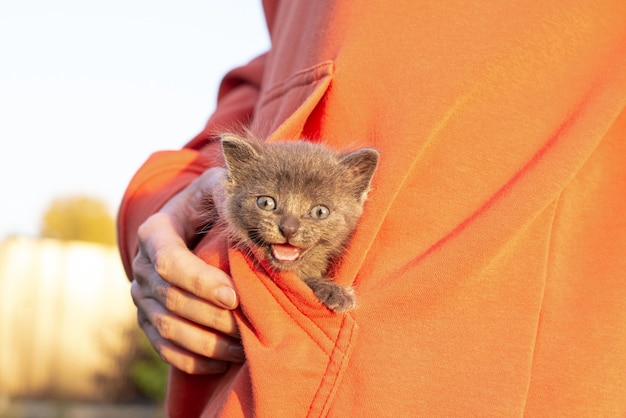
(293, 205)
(290, 228)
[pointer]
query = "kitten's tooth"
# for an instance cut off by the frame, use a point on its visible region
(285, 252)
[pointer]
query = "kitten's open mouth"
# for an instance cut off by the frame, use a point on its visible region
(285, 253)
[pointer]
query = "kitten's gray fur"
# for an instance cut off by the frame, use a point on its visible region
(316, 197)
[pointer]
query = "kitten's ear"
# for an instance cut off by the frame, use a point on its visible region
(237, 152)
(362, 164)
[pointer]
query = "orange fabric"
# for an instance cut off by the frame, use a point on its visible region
(490, 263)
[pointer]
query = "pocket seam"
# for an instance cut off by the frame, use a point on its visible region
(337, 364)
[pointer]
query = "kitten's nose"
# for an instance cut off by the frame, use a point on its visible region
(289, 226)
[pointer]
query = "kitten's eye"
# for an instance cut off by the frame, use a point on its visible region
(319, 212)
(266, 203)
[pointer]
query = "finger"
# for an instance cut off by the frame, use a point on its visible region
(164, 327)
(197, 310)
(181, 358)
(191, 336)
(182, 268)
(174, 262)
(181, 302)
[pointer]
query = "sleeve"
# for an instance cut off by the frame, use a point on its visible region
(165, 173)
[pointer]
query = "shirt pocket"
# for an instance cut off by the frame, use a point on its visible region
(285, 106)
(297, 351)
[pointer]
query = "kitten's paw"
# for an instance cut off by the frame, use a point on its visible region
(337, 298)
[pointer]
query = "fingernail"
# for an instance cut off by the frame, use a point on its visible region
(237, 352)
(226, 296)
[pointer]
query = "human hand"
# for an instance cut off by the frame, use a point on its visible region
(183, 304)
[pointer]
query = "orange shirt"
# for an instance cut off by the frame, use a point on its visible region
(490, 263)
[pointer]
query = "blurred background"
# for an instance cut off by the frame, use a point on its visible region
(87, 91)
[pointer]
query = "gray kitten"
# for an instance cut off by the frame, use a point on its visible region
(294, 206)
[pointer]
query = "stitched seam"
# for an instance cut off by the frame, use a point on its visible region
(341, 368)
(334, 369)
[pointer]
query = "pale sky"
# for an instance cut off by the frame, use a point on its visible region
(88, 89)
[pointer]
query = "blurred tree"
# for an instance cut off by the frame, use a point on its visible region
(80, 218)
